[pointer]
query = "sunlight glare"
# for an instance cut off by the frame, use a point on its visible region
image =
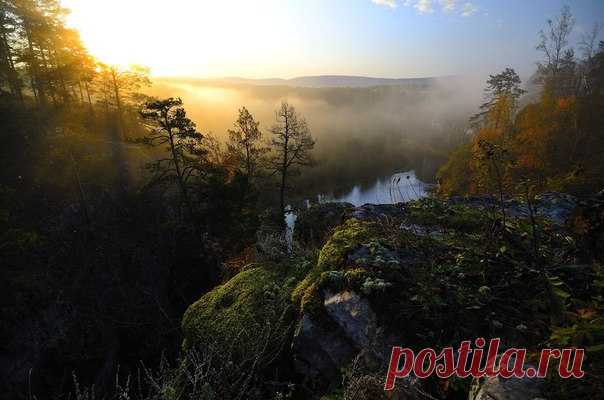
(180, 37)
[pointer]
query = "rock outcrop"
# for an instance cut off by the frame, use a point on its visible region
(319, 350)
(423, 274)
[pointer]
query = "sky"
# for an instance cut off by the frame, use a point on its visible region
(289, 38)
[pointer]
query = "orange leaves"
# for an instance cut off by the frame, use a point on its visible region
(587, 313)
(566, 104)
(541, 143)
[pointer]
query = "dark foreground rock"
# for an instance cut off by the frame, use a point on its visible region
(429, 273)
(497, 388)
(557, 207)
(314, 224)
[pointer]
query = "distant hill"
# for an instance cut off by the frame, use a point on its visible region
(321, 81)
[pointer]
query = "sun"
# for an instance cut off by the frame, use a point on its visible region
(180, 37)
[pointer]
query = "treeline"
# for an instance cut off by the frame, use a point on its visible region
(41, 58)
(116, 212)
(553, 143)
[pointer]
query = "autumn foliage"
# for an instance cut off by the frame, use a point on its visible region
(553, 143)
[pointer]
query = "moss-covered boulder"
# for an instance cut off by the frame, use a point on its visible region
(336, 321)
(237, 336)
(249, 312)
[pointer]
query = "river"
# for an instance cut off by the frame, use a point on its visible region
(401, 187)
(398, 188)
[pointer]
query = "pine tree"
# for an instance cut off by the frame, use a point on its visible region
(245, 144)
(168, 125)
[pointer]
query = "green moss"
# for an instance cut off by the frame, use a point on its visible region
(332, 257)
(305, 288)
(246, 303)
(311, 301)
(345, 238)
(229, 307)
(332, 279)
(434, 212)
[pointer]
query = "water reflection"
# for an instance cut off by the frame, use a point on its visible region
(399, 188)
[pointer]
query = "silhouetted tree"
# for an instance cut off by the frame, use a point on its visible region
(291, 145)
(553, 43)
(9, 76)
(168, 125)
(119, 88)
(245, 144)
(502, 87)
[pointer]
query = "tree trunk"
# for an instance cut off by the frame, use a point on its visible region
(284, 168)
(89, 98)
(181, 181)
(80, 90)
(51, 84)
(118, 102)
(282, 193)
(36, 87)
(248, 161)
(13, 77)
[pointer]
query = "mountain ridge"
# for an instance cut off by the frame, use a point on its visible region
(320, 81)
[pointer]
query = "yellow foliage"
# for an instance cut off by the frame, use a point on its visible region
(454, 177)
(540, 143)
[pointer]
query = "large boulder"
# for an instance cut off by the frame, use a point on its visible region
(338, 321)
(419, 274)
(353, 315)
(319, 351)
(250, 308)
(324, 344)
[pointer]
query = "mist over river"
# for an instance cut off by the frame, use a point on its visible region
(360, 132)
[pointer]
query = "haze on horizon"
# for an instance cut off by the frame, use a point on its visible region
(286, 39)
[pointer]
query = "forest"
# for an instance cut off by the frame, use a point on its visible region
(144, 250)
(553, 143)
